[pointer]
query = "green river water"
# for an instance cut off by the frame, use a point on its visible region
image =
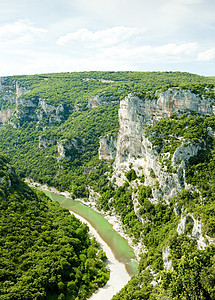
(119, 246)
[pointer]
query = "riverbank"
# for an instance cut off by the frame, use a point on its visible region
(118, 274)
(113, 219)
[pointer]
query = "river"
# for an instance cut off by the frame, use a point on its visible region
(121, 258)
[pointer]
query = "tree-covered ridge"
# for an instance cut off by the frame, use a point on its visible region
(77, 123)
(44, 251)
(76, 88)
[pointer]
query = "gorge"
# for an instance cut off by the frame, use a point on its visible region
(149, 160)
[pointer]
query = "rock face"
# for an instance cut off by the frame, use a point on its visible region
(177, 101)
(196, 232)
(6, 179)
(95, 101)
(20, 90)
(65, 148)
(167, 263)
(185, 152)
(45, 142)
(5, 116)
(107, 149)
(134, 147)
(25, 108)
(54, 113)
(38, 109)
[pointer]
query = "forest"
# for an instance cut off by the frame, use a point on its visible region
(46, 253)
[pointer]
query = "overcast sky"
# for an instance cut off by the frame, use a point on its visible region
(42, 36)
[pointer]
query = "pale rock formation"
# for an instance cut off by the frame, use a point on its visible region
(177, 101)
(211, 132)
(20, 90)
(53, 112)
(134, 147)
(1, 86)
(107, 149)
(5, 115)
(167, 263)
(196, 231)
(45, 142)
(185, 152)
(25, 108)
(95, 101)
(64, 146)
(93, 196)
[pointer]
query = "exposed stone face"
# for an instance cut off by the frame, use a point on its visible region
(107, 149)
(20, 90)
(133, 147)
(52, 111)
(211, 132)
(6, 179)
(45, 142)
(5, 115)
(95, 101)
(1, 86)
(167, 263)
(64, 146)
(93, 196)
(26, 108)
(185, 152)
(34, 108)
(196, 231)
(177, 101)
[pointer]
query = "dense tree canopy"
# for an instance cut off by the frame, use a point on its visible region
(43, 249)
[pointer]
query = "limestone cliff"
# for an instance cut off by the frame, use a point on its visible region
(107, 149)
(134, 148)
(66, 148)
(5, 115)
(21, 107)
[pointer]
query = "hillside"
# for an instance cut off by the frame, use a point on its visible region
(59, 119)
(44, 250)
(137, 145)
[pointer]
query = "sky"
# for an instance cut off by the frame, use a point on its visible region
(46, 36)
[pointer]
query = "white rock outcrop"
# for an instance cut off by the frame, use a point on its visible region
(45, 142)
(5, 115)
(196, 232)
(133, 147)
(64, 146)
(107, 148)
(167, 263)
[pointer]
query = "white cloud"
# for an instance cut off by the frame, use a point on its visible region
(21, 31)
(103, 38)
(114, 35)
(125, 43)
(206, 55)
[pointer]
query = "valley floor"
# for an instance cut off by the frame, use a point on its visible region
(118, 274)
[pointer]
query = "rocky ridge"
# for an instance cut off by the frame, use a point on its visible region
(25, 108)
(134, 148)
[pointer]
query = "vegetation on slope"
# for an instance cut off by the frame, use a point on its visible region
(79, 122)
(155, 224)
(44, 250)
(192, 271)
